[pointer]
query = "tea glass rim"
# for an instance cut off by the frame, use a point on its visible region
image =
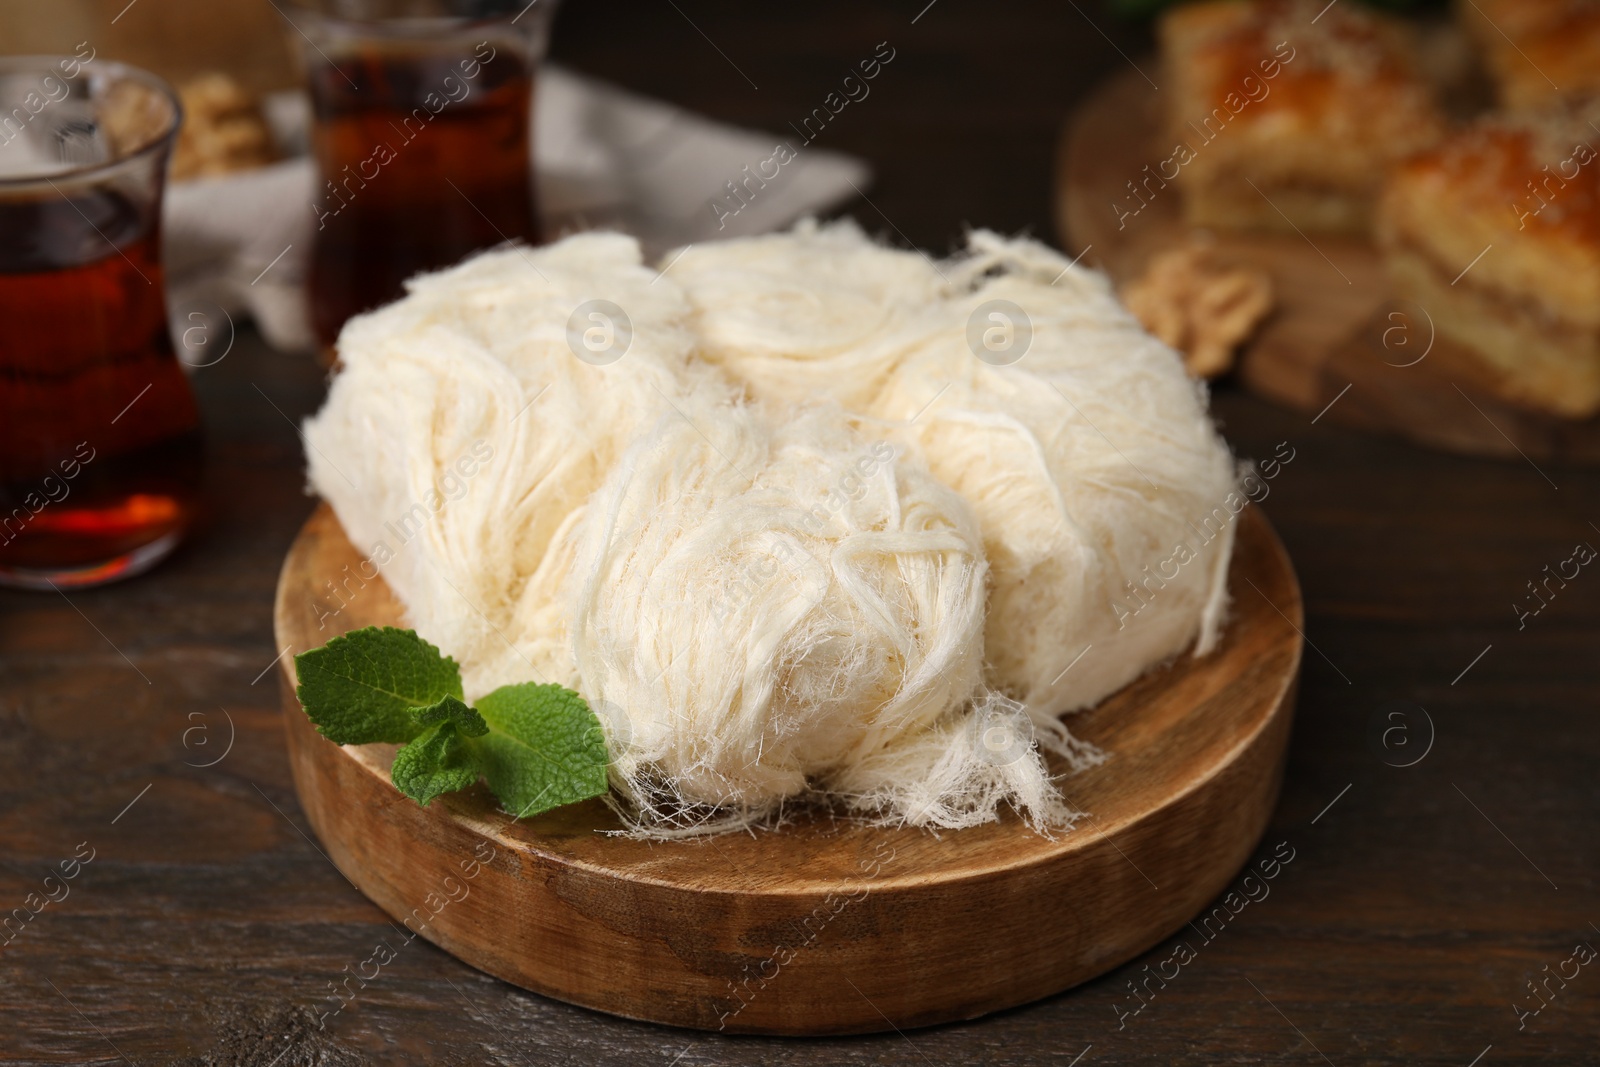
(415, 26)
(47, 64)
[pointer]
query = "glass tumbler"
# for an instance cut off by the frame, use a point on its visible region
(99, 431)
(422, 133)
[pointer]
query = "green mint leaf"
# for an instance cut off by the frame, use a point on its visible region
(438, 761)
(539, 746)
(361, 687)
(544, 748)
(466, 720)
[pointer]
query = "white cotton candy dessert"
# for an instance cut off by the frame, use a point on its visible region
(1098, 478)
(461, 438)
(769, 604)
(762, 604)
(819, 312)
(1103, 493)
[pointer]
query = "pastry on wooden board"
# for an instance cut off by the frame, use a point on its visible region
(1537, 50)
(1284, 117)
(1496, 232)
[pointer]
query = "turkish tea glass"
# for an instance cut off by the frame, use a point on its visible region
(422, 134)
(99, 430)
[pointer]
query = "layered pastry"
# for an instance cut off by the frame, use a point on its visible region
(1286, 113)
(1537, 50)
(1497, 233)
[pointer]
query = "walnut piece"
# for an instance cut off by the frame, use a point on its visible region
(223, 130)
(1200, 304)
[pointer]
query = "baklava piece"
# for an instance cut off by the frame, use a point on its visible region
(1287, 113)
(1497, 234)
(1537, 50)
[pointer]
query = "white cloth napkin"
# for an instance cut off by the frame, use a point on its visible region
(605, 158)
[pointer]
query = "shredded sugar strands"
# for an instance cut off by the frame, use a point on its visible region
(799, 542)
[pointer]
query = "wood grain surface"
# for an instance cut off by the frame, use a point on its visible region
(209, 926)
(1339, 339)
(768, 932)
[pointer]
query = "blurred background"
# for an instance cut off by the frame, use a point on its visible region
(961, 129)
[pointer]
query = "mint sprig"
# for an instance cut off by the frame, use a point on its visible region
(544, 747)
(361, 687)
(538, 746)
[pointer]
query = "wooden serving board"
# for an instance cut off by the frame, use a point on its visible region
(1337, 324)
(825, 926)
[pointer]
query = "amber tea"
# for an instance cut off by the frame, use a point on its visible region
(423, 148)
(99, 431)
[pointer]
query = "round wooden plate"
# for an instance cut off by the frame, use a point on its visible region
(1339, 341)
(825, 926)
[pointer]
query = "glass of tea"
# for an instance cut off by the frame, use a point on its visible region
(99, 431)
(422, 135)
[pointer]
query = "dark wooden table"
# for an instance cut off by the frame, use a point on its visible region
(1421, 899)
